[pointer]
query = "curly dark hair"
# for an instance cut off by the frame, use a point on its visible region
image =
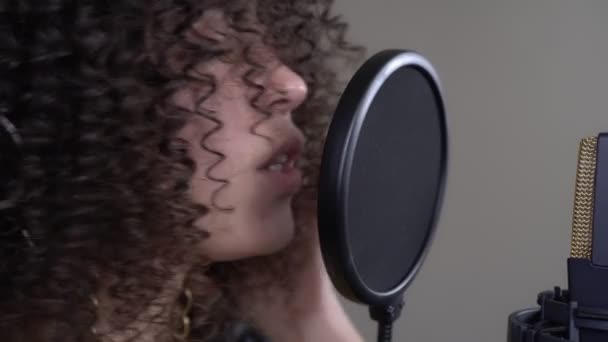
(96, 181)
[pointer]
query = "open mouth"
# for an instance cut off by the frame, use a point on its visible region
(285, 158)
(283, 168)
(282, 163)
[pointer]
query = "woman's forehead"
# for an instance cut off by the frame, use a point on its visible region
(221, 21)
(213, 22)
(246, 37)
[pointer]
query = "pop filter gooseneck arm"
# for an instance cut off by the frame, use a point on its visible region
(382, 181)
(386, 315)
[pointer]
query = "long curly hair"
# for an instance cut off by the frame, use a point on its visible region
(93, 178)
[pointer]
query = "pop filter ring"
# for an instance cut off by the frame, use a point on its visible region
(385, 306)
(366, 85)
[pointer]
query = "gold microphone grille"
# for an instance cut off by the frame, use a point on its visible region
(582, 220)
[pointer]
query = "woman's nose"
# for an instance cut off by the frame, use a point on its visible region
(290, 89)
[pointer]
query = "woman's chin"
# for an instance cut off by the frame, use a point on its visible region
(277, 241)
(281, 240)
(275, 235)
(263, 243)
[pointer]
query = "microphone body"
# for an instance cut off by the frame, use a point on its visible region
(579, 314)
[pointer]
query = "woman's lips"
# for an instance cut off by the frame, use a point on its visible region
(290, 148)
(287, 179)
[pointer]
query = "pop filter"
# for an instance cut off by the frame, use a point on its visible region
(381, 181)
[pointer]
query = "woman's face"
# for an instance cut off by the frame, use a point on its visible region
(245, 172)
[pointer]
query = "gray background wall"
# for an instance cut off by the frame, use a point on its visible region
(524, 82)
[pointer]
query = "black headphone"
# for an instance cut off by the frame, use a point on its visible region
(9, 137)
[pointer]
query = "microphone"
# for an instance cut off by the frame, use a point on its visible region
(579, 314)
(588, 262)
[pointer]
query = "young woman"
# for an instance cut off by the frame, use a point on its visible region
(158, 167)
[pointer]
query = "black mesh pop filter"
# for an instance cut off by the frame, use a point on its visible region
(382, 178)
